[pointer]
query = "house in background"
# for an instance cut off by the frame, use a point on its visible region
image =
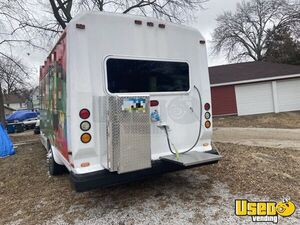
(8, 110)
(254, 88)
(14, 101)
(33, 102)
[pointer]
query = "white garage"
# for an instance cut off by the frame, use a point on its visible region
(254, 98)
(257, 87)
(266, 97)
(288, 94)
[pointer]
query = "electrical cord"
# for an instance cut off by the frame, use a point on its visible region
(199, 133)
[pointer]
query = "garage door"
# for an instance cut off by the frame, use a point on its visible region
(254, 98)
(288, 93)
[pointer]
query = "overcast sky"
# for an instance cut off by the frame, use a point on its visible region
(204, 22)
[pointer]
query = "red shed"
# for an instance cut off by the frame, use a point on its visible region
(223, 100)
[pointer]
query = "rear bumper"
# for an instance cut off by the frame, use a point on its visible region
(104, 178)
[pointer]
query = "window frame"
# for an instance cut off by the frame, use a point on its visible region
(145, 59)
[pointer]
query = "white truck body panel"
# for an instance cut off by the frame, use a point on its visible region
(107, 36)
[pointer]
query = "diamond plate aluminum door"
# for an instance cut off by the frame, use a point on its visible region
(128, 134)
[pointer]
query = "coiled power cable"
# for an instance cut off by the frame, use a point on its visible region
(199, 132)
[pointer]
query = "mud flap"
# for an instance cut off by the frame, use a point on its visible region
(192, 158)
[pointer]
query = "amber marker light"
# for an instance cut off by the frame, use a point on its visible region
(86, 138)
(85, 164)
(207, 124)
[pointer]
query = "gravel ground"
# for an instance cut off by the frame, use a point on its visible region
(205, 195)
(266, 137)
(270, 120)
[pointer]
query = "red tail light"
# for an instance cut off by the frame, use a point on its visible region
(154, 103)
(84, 114)
(207, 106)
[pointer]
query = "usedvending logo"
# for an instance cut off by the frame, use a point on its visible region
(264, 211)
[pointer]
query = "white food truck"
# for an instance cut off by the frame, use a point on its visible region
(124, 98)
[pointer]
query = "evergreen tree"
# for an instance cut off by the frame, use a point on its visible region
(282, 48)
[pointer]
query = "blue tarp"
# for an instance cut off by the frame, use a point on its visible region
(21, 115)
(6, 146)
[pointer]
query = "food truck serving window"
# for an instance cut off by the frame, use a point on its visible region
(131, 75)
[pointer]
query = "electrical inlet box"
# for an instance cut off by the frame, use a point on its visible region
(128, 133)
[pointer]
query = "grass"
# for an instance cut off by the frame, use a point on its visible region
(30, 196)
(271, 120)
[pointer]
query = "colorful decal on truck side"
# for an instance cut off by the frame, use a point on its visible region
(53, 99)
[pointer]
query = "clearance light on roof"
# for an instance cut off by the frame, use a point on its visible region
(138, 22)
(161, 25)
(150, 24)
(80, 26)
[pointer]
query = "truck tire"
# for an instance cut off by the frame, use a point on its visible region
(54, 168)
(36, 131)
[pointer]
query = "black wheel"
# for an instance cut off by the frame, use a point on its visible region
(54, 168)
(36, 131)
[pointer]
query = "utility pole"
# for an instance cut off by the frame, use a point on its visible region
(2, 113)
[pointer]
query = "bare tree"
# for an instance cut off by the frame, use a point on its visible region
(26, 25)
(36, 24)
(243, 34)
(13, 76)
(15, 32)
(173, 10)
(62, 11)
(22, 23)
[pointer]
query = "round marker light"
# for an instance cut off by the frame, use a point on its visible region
(207, 106)
(84, 114)
(86, 138)
(207, 124)
(154, 103)
(207, 115)
(85, 125)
